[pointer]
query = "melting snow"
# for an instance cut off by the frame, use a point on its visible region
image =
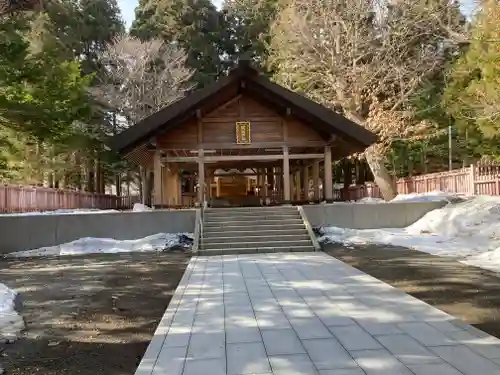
(469, 231)
(11, 323)
(90, 245)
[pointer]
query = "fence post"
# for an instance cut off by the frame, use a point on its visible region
(472, 173)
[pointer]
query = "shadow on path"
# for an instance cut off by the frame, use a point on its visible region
(88, 315)
(469, 293)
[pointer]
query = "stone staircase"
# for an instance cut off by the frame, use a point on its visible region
(254, 230)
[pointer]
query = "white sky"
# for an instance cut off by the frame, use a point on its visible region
(128, 6)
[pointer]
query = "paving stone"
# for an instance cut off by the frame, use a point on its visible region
(247, 358)
(282, 341)
(328, 354)
(170, 361)
(425, 334)
(310, 328)
(296, 364)
(354, 338)
(466, 361)
(250, 312)
(354, 371)
(445, 326)
(375, 328)
(408, 350)
(242, 334)
(214, 366)
(487, 346)
(206, 345)
(434, 369)
(379, 362)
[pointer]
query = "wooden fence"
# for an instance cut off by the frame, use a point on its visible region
(478, 179)
(28, 199)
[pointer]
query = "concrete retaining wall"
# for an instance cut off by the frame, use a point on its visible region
(30, 232)
(368, 215)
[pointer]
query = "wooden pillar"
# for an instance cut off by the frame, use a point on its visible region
(158, 191)
(217, 181)
(208, 184)
(315, 172)
(286, 174)
(305, 172)
(298, 185)
(201, 178)
(328, 183)
(264, 183)
(260, 182)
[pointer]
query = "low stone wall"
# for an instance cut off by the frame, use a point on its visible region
(31, 232)
(368, 215)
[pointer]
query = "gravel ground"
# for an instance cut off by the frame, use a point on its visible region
(469, 293)
(88, 315)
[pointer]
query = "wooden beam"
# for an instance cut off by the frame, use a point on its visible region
(214, 159)
(286, 174)
(304, 156)
(253, 145)
(328, 185)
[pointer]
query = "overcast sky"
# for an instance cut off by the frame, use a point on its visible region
(128, 6)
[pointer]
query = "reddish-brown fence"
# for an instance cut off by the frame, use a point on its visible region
(478, 179)
(27, 199)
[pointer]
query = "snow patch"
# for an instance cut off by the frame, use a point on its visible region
(91, 245)
(432, 196)
(139, 207)
(469, 231)
(11, 323)
(61, 212)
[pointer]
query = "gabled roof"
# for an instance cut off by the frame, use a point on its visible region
(247, 81)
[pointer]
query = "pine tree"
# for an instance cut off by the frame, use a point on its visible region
(194, 25)
(472, 96)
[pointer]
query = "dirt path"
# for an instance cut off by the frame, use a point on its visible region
(88, 315)
(467, 292)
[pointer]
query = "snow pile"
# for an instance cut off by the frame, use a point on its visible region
(469, 231)
(11, 323)
(90, 245)
(432, 196)
(370, 200)
(139, 207)
(61, 212)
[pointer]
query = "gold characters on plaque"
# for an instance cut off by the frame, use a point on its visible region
(243, 132)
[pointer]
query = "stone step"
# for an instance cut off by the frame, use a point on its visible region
(254, 227)
(253, 250)
(216, 219)
(240, 245)
(255, 238)
(257, 222)
(251, 232)
(249, 211)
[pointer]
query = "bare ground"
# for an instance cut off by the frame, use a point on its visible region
(88, 315)
(469, 293)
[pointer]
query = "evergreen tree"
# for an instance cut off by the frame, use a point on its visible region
(193, 25)
(472, 95)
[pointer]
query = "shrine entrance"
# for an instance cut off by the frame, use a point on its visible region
(243, 140)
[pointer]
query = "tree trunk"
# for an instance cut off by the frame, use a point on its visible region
(118, 184)
(90, 176)
(380, 174)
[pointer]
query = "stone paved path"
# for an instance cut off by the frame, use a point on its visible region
(305, 314)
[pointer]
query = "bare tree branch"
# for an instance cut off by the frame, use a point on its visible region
(142, 77)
